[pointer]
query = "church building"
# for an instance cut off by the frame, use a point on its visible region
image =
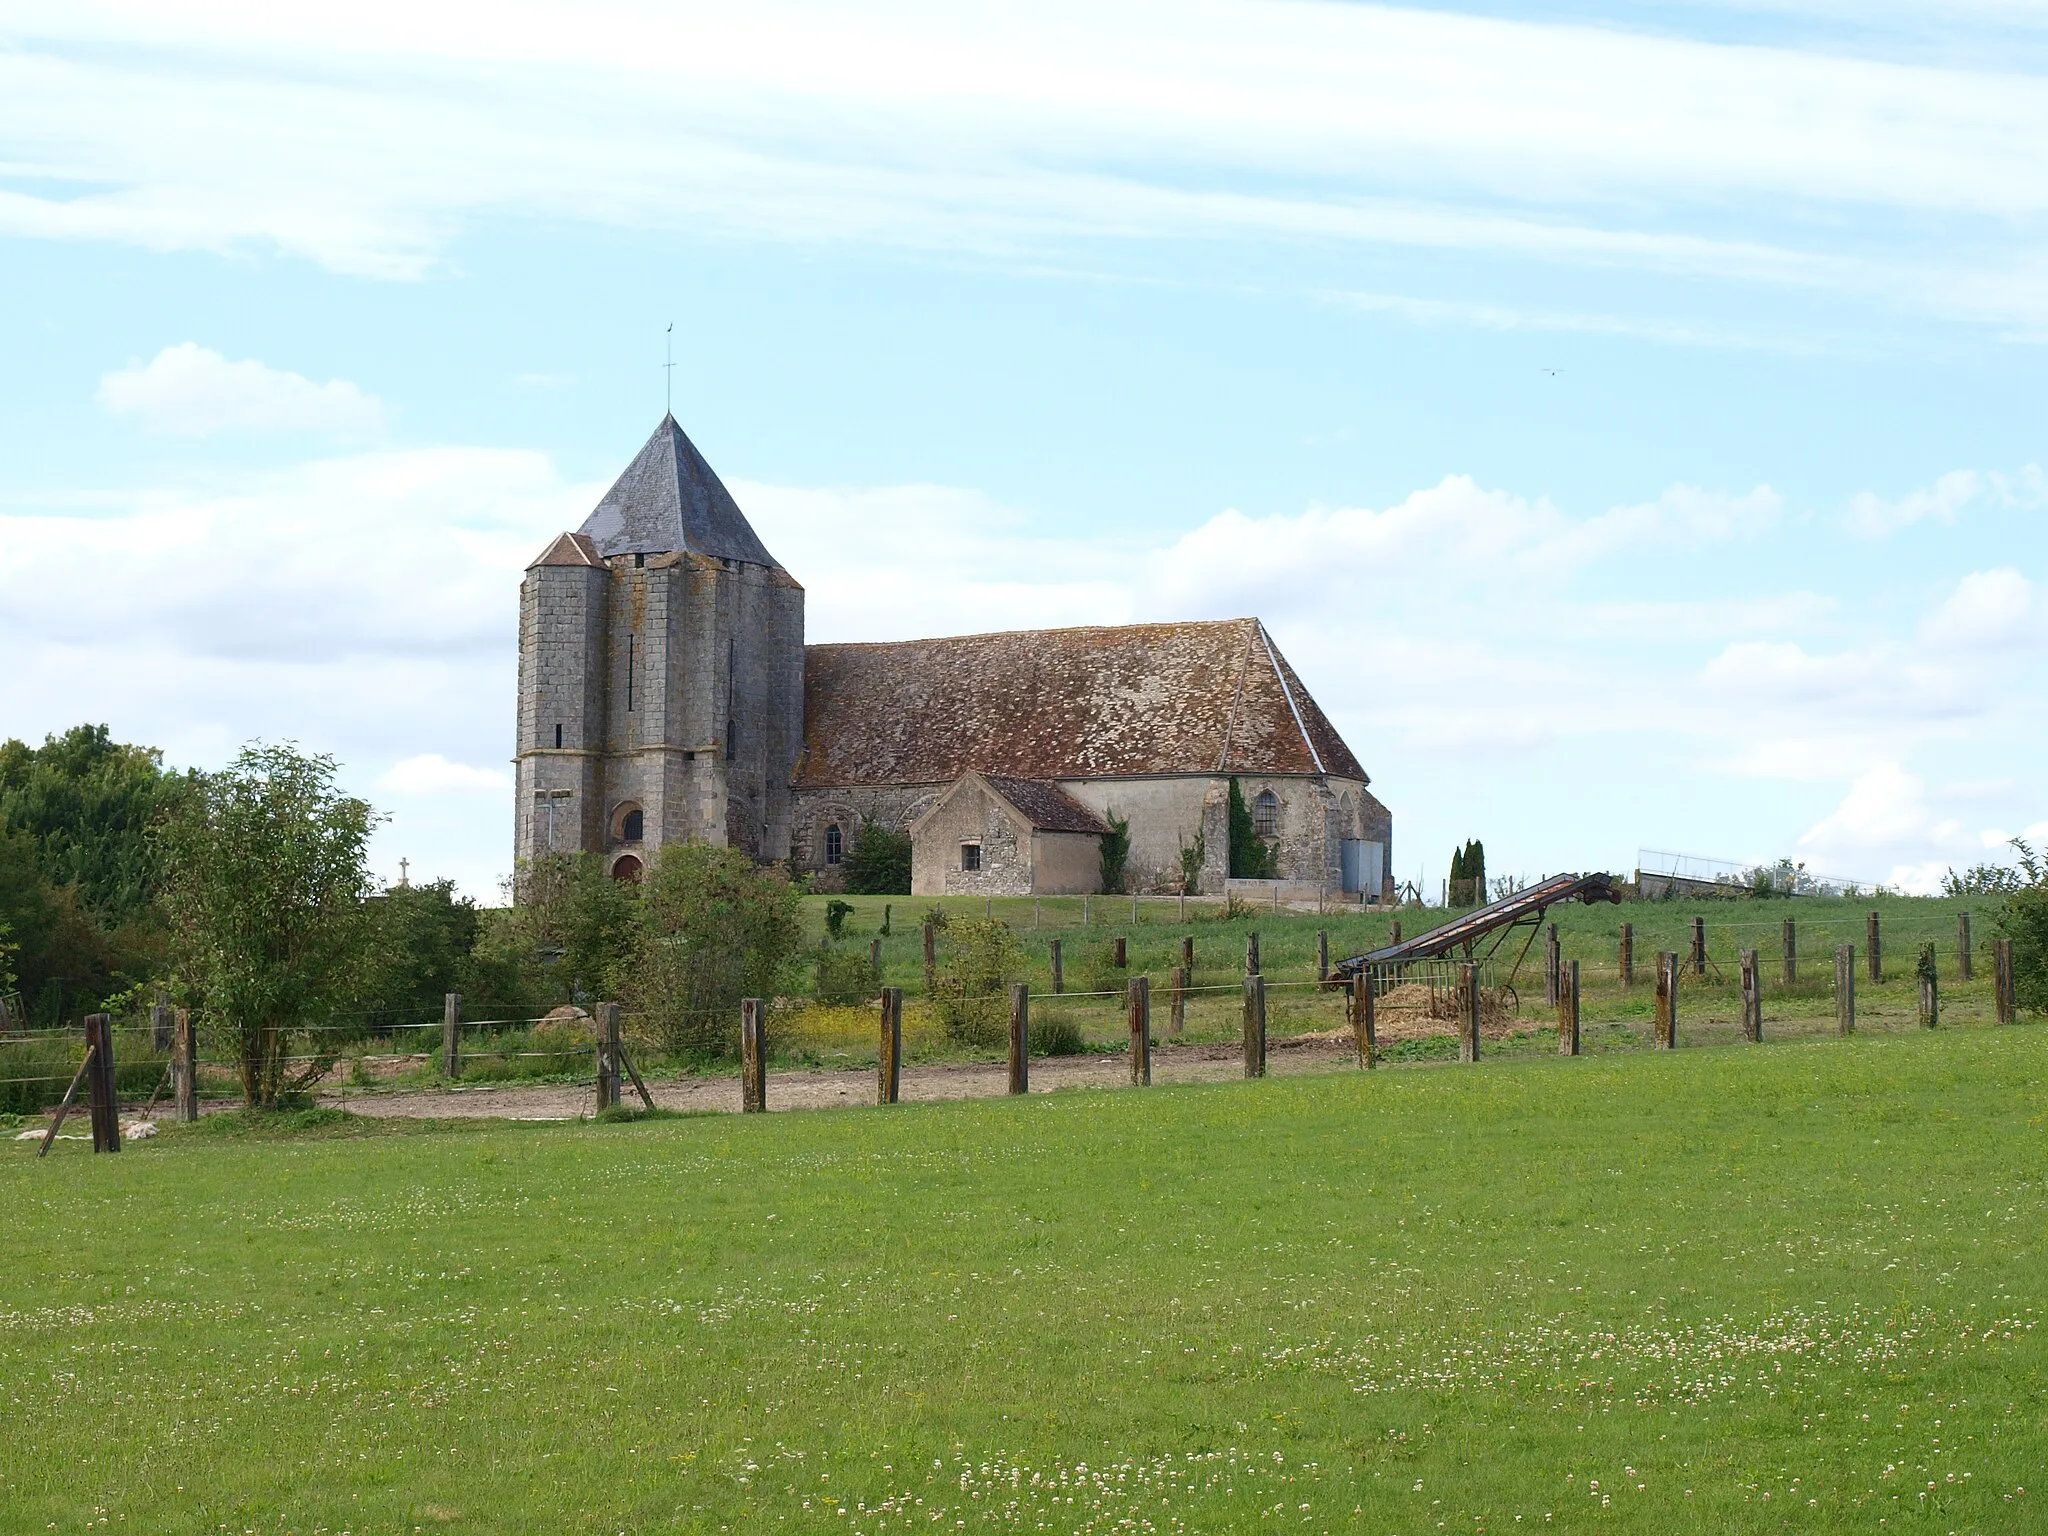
(666, 695)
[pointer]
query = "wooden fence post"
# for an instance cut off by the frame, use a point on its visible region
(1791, 945)
(607, 1056)
(889, 1050)
(1845, 989)
(451, 1035)
(1552, 955)
(1138, 1000)
(1964, 969)
(2005, 1001)
(1084, 912)
(1251, 955)
(1177, 1004)
(1568, 1010)
(1364, 1010)
(1322, 955)
(1123, 954)
(1187, 956)
(875, 957)
(1628, 954)
(1255, 1025)
(753, 1057)
(1930, 1000)
(1752, 998)
(1468, 1012)
(1699, 946)
(1876, 951)
(931, 958)
(1020, 1037)
(99, 1083)
(1394, 931)
(1058, 984)
(184, 1068)
(160, 1023)
(1665, 1033)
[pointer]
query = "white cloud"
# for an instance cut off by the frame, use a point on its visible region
(385, 128)
(1944, 501)
(432, 774)
(189, 391)
(1987, 610)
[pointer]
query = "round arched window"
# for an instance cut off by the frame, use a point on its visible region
(632, 826)
(1266, 814)
(835, 844)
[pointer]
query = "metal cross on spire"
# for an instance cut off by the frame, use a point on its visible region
(668, 365)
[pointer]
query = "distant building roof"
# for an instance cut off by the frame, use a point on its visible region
(670, 499)
(1046, 806)
(1133, 701)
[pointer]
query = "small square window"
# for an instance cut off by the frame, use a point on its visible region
(970, 855)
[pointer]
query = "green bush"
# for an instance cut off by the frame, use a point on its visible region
(714, 929)
(982, 958)
(836, 914)
(844, 978)
(878, 864)
(1057, 1036)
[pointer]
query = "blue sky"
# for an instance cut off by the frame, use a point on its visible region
(1628, 418)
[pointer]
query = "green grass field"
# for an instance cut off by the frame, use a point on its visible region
(1794, 1287)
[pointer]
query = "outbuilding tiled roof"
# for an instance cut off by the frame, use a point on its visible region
(670, 499)
(1134, 700)
(1046, 806)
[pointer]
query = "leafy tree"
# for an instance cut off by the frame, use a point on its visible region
(1983, 880)
(714, 928)
(263, 884)
(878, 864)
(89, 802)
(1250, 858)
(576, 926)
(1116, 851)
(2023, 918)
(65, 962)
(418, 941)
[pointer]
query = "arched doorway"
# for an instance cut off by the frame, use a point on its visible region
(627, 869)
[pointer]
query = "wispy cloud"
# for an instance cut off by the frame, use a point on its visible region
(1010, 128)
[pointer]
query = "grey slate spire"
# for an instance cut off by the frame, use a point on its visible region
(669, 499)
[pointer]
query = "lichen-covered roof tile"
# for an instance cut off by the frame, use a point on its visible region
(1133, 700)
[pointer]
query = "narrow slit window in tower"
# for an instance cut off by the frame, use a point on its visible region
(558, 738)
(630, 657)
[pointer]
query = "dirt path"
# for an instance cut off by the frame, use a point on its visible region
(830, 1090)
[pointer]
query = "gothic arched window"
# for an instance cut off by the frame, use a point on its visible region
(1266, 814)
(835, 844)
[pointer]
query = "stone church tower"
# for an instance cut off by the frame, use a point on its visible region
(661, 674)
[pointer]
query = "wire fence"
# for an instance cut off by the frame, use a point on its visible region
(375, 1060)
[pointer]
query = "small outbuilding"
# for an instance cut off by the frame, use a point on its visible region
(988, 835)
